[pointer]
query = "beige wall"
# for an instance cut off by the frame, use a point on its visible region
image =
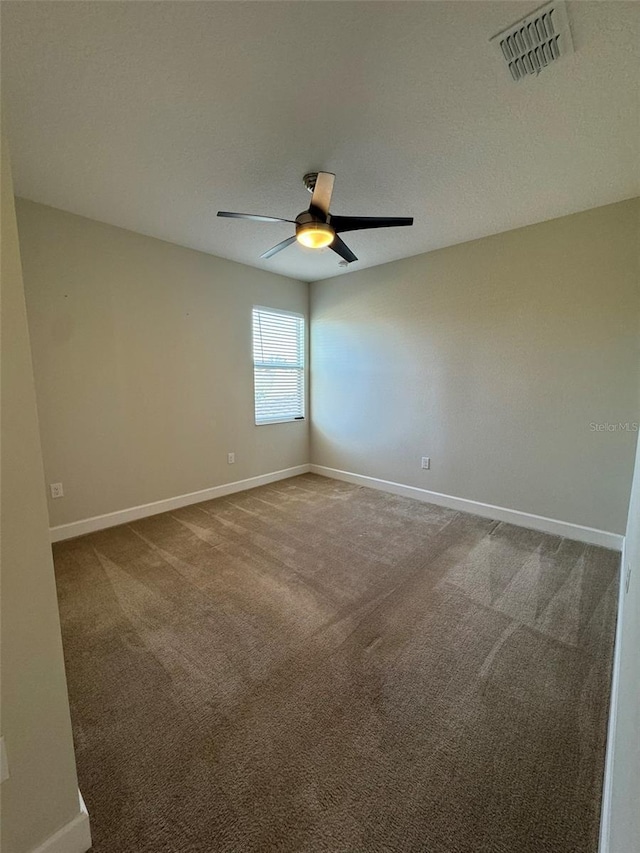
(41, 794)
(493, 358)
(624, 816)
(143, 364)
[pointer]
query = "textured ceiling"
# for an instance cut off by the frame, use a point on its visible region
(152, 116)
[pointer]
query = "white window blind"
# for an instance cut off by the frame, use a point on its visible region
(278, 365)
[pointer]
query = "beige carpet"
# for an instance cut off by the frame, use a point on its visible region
(313, 666)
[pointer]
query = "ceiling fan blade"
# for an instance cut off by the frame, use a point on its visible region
(252, 216)
(358, 223)
(275, 249)
(321, 198)
(341, 248)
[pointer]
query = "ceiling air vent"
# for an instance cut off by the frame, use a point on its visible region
(535, 42)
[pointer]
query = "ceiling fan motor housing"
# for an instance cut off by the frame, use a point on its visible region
(309, 216)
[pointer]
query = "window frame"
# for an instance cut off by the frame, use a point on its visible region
(301, 367)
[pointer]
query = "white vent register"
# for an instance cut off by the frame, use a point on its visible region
(535, 42)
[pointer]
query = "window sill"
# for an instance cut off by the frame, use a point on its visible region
(280, 421)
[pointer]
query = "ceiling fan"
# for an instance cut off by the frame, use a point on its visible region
(316, 228)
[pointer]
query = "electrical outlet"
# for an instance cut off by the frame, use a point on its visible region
(426, 463)
(231, 458)
(627, 581)
(56, 490)
(4, 763)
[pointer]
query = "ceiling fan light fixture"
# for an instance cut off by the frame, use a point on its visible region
(317, 228)
(315, 235)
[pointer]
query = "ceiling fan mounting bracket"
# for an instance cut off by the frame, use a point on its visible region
(309, 181)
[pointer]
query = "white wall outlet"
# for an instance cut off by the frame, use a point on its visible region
(56, 490)
(627, 580)
(231, 458)
(4, 762)
(426, 463)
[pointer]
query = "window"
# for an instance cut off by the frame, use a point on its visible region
(278, 365)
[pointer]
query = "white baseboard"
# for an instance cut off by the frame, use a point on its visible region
(589, 535)
(123, 516)
(607, 785)
(74, 837)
